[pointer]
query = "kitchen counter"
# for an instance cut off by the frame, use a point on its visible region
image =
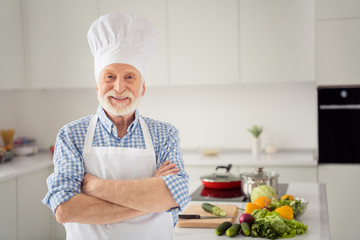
(19, 166)
(244, 158)
(316, 215)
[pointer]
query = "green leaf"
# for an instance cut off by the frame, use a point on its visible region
(256, 130)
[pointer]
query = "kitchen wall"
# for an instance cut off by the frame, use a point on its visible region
(207, 116)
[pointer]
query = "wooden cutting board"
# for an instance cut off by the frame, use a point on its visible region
(231, 210)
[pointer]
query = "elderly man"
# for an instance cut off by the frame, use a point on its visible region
(117, 174)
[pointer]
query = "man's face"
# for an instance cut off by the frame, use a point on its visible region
(120, 88)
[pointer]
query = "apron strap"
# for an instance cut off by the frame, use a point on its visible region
(147, 137)
(91, 131)
(90, 134)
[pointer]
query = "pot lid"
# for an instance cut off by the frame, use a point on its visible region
(219, 176)
(259, 174)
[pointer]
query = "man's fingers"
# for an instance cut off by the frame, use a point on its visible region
(170, 172)
(166, 169)
(166, 165)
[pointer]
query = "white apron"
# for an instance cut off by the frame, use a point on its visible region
(122, 163)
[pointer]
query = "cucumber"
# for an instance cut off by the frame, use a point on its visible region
(213, 209)
(222, 228)
(245, 228)
(233, 230)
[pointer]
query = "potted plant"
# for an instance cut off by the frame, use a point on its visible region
(256, 145)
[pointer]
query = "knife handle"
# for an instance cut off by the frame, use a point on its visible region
(189, 216)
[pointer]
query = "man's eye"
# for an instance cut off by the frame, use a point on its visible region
(109, 77)
(130, 77)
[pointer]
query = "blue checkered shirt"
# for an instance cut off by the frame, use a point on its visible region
(69, 169)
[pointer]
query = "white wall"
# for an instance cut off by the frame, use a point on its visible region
(205, 115)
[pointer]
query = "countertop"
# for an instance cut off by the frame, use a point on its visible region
(316, 215)
(19, 166)
(25, 164)
(306, 157)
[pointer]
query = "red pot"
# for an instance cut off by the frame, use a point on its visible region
(221, 193)
(219, 180)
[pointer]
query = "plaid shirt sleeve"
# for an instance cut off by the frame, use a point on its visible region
(177, 184)
(69, 170)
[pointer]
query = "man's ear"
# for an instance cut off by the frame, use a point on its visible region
(144, 89)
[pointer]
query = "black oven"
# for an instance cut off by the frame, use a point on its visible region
(339, 124)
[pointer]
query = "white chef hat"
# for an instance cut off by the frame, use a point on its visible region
(121, 38)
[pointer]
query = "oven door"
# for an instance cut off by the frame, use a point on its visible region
(339, 125)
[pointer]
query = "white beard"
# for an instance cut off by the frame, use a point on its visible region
(120, 109)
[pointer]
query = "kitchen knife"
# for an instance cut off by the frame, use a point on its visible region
(196, 216)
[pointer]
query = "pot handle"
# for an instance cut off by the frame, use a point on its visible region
(228, 167)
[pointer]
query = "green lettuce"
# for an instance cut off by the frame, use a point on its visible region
(271, 226)
(296, 205)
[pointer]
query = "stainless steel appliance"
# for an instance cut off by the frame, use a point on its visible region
(339, 124)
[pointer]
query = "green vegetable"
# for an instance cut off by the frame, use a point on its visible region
(222, 228)
(245, 228)
(263, 190)
(213, 209)
(233, 230)
(296, 205)
(270, 225)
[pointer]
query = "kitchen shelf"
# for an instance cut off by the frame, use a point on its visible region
(244, 158)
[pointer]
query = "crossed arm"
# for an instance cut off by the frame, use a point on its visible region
(107, 201)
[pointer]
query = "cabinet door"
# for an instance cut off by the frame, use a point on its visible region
(34, 218)
(155, 12)
(342, 184)
(59, 52)
(338, 52)
(12, 52)
(8, 213)
(277, 40)
(330, 9)
(203, 42)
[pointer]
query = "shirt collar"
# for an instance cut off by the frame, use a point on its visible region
(110, 126)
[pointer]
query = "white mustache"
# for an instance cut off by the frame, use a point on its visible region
(124, 94)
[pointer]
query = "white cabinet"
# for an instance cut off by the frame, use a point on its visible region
(34, 218)
(339, 9)
(8, 212)
(277, 40)
(12, 48)
(338, 52)
(59, 52)
(337, 42)
(342, 184)
(203, 42)
(22, 215)
(155, 11)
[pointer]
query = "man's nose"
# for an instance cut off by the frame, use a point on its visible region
(119, 85)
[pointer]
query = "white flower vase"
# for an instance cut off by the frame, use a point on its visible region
(256, 147)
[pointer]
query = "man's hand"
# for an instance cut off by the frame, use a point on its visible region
(166, 169)
(89, 184)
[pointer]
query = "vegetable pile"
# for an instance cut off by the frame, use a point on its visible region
(266, 217)
(262, 223)
(271, 225)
